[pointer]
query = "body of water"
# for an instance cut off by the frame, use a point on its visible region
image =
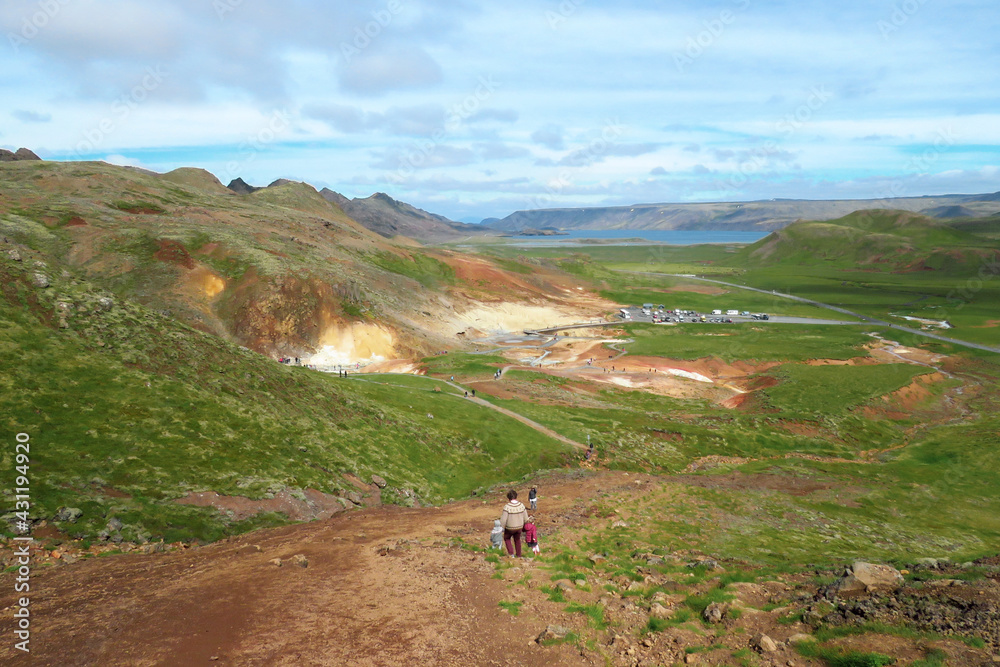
(644, 236)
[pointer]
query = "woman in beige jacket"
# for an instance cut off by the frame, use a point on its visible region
(512, 519)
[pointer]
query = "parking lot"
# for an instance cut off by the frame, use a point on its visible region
(669, 316)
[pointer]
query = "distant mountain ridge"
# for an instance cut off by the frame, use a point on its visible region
(382, 214)
(738, 216)
(390, 217)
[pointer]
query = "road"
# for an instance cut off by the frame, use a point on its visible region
(864, 318)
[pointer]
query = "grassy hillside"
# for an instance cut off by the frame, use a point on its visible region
(135, 309)
(275, 270)
(872, 240)
(128, 410)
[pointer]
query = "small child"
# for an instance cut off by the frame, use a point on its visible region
(531, 535)
(496, 537)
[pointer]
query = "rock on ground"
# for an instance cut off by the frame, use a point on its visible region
(869, 577)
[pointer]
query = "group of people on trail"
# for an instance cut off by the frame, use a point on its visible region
(515, 522)
(497, 374)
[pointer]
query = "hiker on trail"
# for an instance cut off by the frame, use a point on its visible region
(496, 536)
(466, 394)
(533, 498)
(473, 393)
(452, 378)
(512, 519)
(531, 535)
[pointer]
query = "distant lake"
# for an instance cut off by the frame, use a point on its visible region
(668, 236)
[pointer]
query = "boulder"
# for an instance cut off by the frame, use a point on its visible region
(106, 303)
(553, 632)
(275, 561)
(597, 558)
(354, 497)
(657, 610)
(14, 254)
(763, 644)
(714, 613)
(564, 585)
(379, 481)
(154, 548)
(869, 577)
(68, 514)
(115, 524)
(40, 280)
(300, 560)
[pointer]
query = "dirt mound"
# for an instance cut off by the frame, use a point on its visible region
(173, 252)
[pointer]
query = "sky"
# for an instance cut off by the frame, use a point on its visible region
(477, 109)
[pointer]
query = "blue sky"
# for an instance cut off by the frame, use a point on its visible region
(472, 109)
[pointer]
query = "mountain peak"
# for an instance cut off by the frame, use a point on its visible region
(239, 186)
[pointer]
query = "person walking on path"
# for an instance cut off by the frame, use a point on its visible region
(496, 536)
(533, 498)
(512, 519)
(531, 535)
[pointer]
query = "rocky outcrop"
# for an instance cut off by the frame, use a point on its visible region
(239, 186)
(25, 154)
(20, 155)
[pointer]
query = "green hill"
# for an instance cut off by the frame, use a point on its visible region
(876, 240)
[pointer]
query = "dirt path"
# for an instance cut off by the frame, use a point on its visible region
(510, 413)
(533, 424)
(383, 586)
(521, 418)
